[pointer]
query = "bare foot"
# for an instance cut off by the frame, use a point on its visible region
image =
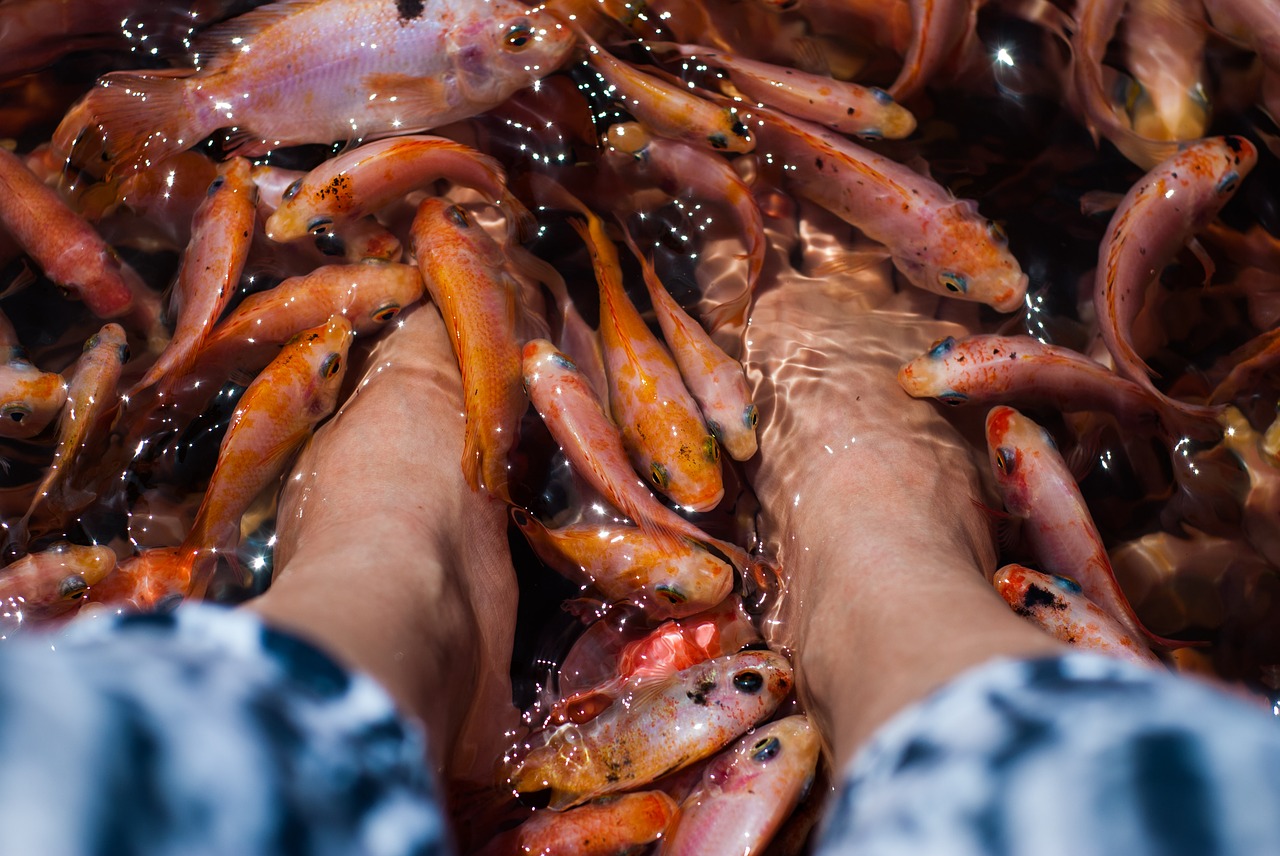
(872, 501)
(389, 560)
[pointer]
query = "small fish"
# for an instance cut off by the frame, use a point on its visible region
(147, 580)
(861, 111)
(991, 369)
(221, 234)
(1168, 100)
(64, 245)
(91, 400)
(606, 827)
(465, 271)
(371, 176)
(694, 173)
(167, 194)
(624, 564)
(29, 398)
(668, 110)
(361, 240)
(662, 427)
(303, 71)
(939, 243)
(938, 29)
(1249, 365)
(44, 585)
(1157, 217)
(1059, 606)
(654, 729)
(1037, 487)
(1254, 24)
(747, 792)
(716, 380)
(593, 445)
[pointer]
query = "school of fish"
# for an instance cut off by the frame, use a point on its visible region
(207, 213)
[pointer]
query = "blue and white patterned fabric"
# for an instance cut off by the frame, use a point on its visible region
(1078, 754)
(200, 731)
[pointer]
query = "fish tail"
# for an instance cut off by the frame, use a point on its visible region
(143, 118)
(1178, 419)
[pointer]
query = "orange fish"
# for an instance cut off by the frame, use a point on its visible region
(47, 584)
(661, 425)
(464, 269)
(91, 399)
(938, 29)
(624, 564)
(606, 827)
(210, 274)
(716, 380)
(29, 398)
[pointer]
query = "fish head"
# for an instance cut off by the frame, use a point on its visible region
(508, 48)
(54, 580)
(684, 585)
(323, 352)
(1031, 592)
(1233, 159)
(932, 375)
(1012, 440)
(29, 399)
(969, 260)
(111, 339)
(751, 683)
(777, 757)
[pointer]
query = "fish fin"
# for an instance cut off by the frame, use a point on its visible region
(1202, 255)
(1179, 419)
(850, 262)
(25, 277)
(143, 118)
(1005, 527)
(521, 224)
(582, 707)
(421, 96)
(217, 46)
(809, 56)
(1099, 202)
(585, 609)
(471, 457)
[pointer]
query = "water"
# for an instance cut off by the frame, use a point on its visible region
(830, 326)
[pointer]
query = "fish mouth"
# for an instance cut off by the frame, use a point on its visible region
(704, 502)
(1012, 298)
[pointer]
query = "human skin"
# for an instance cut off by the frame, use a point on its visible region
(392, 563)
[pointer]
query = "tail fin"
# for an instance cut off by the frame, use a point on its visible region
(140, 118)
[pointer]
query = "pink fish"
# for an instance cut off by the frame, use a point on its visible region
(1037, 487)
(1165, 43)
(50, 583)
(938, 29)
(1059, 606)
(606, 827)
(29, 398)
(991, 369)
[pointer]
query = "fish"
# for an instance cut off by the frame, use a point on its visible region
(1037, 487)
(371, 176)
(275, 415)
(938, 29)
(221, 234)
(1254, 24)
(66, 247)
(167, 194)
(606, 827)
(44, 585)
(716, 380)
(598, 668)
(993, 369)
(465, 272)
(593, 445)
(1156, 218)
(1060, 608)
(662, 428)
(666, 109)
(1168, 99)
(625, 565)
(1249, 364)
(861, 111)
(656, 728)
(747, 792)
(302, 71)
(29, 398)
(91, 402)
(939, 243)
(687, 171)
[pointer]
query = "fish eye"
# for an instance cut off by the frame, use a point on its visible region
(331, 365)
(953, 282)
(997, 232)
(564, 362)
(659, 476)
(749, 681)
(92, 342)
(711, 449)
(881, 96)
(1006, 459)
(1198, 95)
(319, 225)
(766, 749)
(518, 36)
(751, 416)
(718, 141)
(330, 244)
(72, 587)
(942, 347)
(15, 412)
(714, 427)
(458, 216)
(1229, 182)
(871, 134)
(740, 130)
(386, 312)
(671, 594)
(292, 190)
(952, 397)
(1066, 584)
(216, 184)
(124, 353)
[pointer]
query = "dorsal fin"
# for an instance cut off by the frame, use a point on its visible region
(216, 46)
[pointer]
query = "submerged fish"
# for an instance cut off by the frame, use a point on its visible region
(49, 583)
(606, 827)
(655, 728)
(29, 398)
(316, 71)
(1059, 606)
(747, 792)
(938, 29)
(624, 564)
